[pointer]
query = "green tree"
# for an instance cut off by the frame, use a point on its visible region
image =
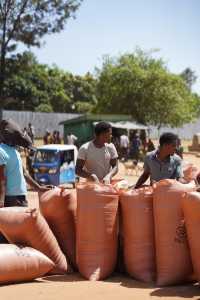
(189, 77)
(26, 86)
(59, 98)
(32, 86)
(44, 108)
(140, 85)
(27, 21)
(84, 93)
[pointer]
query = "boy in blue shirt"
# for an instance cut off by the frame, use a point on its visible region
(12, 175)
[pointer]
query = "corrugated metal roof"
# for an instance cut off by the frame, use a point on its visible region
(129, 125)
(97, 117)
(57, 147)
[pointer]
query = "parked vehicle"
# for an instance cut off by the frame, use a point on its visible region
(55, 164)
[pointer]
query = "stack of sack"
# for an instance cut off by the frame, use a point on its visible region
(42, 242)
(80, 229)
(152, 231)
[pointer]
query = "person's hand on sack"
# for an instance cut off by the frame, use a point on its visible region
(94, 178)
(197, 180)
(44, 188)
(107, 179)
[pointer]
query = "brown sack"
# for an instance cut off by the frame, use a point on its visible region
(172, 252)
(28, 227)
(191, 209)
(96, 240)
(190, 172)
(58, 206)
(138, 233)
(22, 263)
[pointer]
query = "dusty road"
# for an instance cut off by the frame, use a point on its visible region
(73, 287)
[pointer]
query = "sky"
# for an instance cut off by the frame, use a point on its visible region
(115, 27)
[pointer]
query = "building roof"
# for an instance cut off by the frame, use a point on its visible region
(97, 117)
(58, 147)
(129, 125)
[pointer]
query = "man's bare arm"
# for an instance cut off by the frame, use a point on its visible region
(145, 175)
(2, 186)
(113, 171)
(83, 173)
(36, 186)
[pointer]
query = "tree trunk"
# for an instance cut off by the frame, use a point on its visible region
(2, 76)
(2, 62)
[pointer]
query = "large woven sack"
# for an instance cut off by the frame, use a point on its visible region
(190, 172)
(172, 252)
(28, 227)
(58, 206)
(191, 209)
(138, 233)
(96, 240)
(19, 263)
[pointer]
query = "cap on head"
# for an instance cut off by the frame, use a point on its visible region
(11, 134)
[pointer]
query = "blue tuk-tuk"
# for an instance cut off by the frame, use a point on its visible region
(55, 164)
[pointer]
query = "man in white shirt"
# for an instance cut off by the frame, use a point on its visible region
(98, 159)
(71, 139)
(124, 146)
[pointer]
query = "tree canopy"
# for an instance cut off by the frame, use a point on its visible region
(140, 85)
(36, 87)
(189, 77)
(27, 21)
(135, 84)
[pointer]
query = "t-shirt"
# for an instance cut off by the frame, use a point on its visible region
(71, 139)
(124, 141)
(136, 144)
(170, 168)
(15, 181)
(97, 160)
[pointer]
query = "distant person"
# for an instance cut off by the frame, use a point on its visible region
(56, 137)
(179, 149)
(150, 145)
(31, 132)
(98, 159)
(143, 140)
(116, 142)
(124, 146)
(135, 147)
(47, 138)
(25, 131)
(162, 163)
(71, 139)
(29, 162)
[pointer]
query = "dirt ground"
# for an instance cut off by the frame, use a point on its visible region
(74, 287)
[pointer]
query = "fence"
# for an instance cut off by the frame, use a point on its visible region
(40, 121)
(50, 121)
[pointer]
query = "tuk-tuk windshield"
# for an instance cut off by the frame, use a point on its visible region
(46, 156)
